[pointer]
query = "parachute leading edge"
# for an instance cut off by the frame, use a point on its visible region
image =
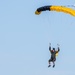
(56, 8)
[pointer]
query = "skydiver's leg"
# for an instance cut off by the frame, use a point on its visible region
(54, 62)
(49, 62)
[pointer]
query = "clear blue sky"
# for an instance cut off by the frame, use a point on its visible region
(25, 37)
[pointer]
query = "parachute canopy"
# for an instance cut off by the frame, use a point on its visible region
(56, 8)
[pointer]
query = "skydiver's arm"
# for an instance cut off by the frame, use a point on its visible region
(50, 47)
(58, 49)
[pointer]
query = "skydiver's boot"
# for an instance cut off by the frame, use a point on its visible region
(53, 65)
(49, 66)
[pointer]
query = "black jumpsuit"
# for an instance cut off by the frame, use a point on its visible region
(53, 54)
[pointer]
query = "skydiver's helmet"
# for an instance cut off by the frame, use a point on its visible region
(53, 49)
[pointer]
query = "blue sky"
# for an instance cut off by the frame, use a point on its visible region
(25, 37)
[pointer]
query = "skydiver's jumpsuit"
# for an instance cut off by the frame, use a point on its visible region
(53, 56)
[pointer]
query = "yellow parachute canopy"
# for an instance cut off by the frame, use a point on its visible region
(56, 8)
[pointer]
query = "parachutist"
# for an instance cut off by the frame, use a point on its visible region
(53, 55)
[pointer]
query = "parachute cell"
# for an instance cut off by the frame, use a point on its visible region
(56, 8)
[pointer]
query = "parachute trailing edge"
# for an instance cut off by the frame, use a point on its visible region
(56, 8)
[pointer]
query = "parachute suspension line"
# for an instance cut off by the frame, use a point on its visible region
(49, 28)
(69, 5)
(46, 21)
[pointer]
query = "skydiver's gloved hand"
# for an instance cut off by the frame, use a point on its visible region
(49, 44)
(58, 45)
